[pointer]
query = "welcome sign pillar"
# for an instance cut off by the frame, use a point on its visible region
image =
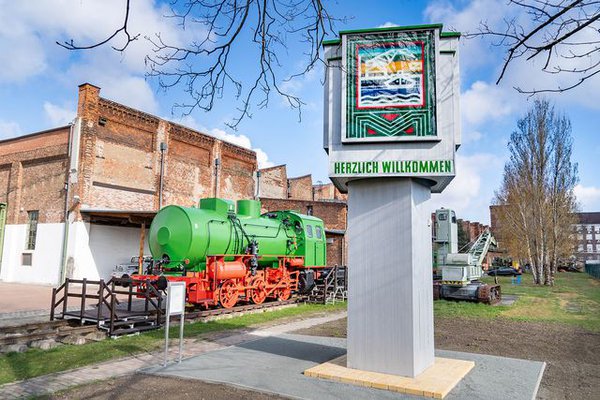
(390, 308)
(391, 131)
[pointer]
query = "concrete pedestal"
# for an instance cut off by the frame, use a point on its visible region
(390, 304)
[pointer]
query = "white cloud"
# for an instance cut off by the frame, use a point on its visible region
(470, 135)
(9, 129)
(588, 197)
(116, 84)
(477, 53)
(244, 141)
(467, 19)
(58, 115)
(241, 140)
(470, 194)
(388, 24)
(29, 30)
(24, 54)
(484, 102)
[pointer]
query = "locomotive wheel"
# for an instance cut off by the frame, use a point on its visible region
(284, 293)
(258, 294)
(228, 294)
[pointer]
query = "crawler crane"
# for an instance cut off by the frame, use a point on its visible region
(461, 271)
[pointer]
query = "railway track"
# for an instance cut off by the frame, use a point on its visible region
(204, 314)
(39, 334)
(13, 338)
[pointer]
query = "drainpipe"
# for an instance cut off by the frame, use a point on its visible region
(257, 186)
(65, 243)
(217, 165)
(163, 148)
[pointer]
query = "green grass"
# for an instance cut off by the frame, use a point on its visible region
(36, 362)
(574, 300)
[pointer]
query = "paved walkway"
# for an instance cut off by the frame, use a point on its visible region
(19, 297)
(63, 380)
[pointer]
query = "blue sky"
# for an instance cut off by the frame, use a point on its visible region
(38, 87)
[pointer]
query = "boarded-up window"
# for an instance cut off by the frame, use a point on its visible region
(32, 222)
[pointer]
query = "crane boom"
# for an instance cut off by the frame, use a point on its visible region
(481, 246)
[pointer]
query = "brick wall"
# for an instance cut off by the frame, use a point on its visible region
(4, 181)
(120, 159)
(273, 182)
(336, 250)
(495, 225)
(333, 215)
(328, 191)
(119, 164)
(237, 174)
(300, 188)
(33, 172)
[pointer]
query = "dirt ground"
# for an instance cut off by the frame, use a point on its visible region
(572, 354)
(146, 387)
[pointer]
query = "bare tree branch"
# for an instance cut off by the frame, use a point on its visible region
(553, 29)
(223, 31)
(70, 45)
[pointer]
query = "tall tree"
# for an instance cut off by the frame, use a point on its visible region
(537, 191)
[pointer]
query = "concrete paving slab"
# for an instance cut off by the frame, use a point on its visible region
(275, 364)
(507, 300)
(19, 297)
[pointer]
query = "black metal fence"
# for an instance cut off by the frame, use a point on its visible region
(593, 270)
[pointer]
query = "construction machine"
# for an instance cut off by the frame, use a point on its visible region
(461, 271)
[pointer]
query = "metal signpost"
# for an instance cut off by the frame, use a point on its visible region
(175, 306)
(391, 129)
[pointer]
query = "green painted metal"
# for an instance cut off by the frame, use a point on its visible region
(248, 208)
(2, 226)
(182, 234)
(593, 270)
(394, 28)
(450, 34)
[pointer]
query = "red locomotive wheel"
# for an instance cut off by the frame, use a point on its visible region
(284, 293)
(258, 294)
(228, 294)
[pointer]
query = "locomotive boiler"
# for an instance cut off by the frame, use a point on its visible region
(228, 252)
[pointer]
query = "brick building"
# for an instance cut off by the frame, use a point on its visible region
(278, 192)
(588, 237)
(496, 225)
(106, 174)
(472, 230)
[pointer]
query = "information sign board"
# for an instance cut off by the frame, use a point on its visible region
(175, 306)
(176, 298)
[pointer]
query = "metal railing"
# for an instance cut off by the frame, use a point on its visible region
(334, 286)
(593, 270)
(105, 301)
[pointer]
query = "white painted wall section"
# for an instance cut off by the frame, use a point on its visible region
(46, 258)
(94, 249)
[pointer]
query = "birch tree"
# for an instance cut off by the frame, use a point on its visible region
(537, 198)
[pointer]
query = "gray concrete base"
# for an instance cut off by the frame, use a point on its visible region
(275, 364)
